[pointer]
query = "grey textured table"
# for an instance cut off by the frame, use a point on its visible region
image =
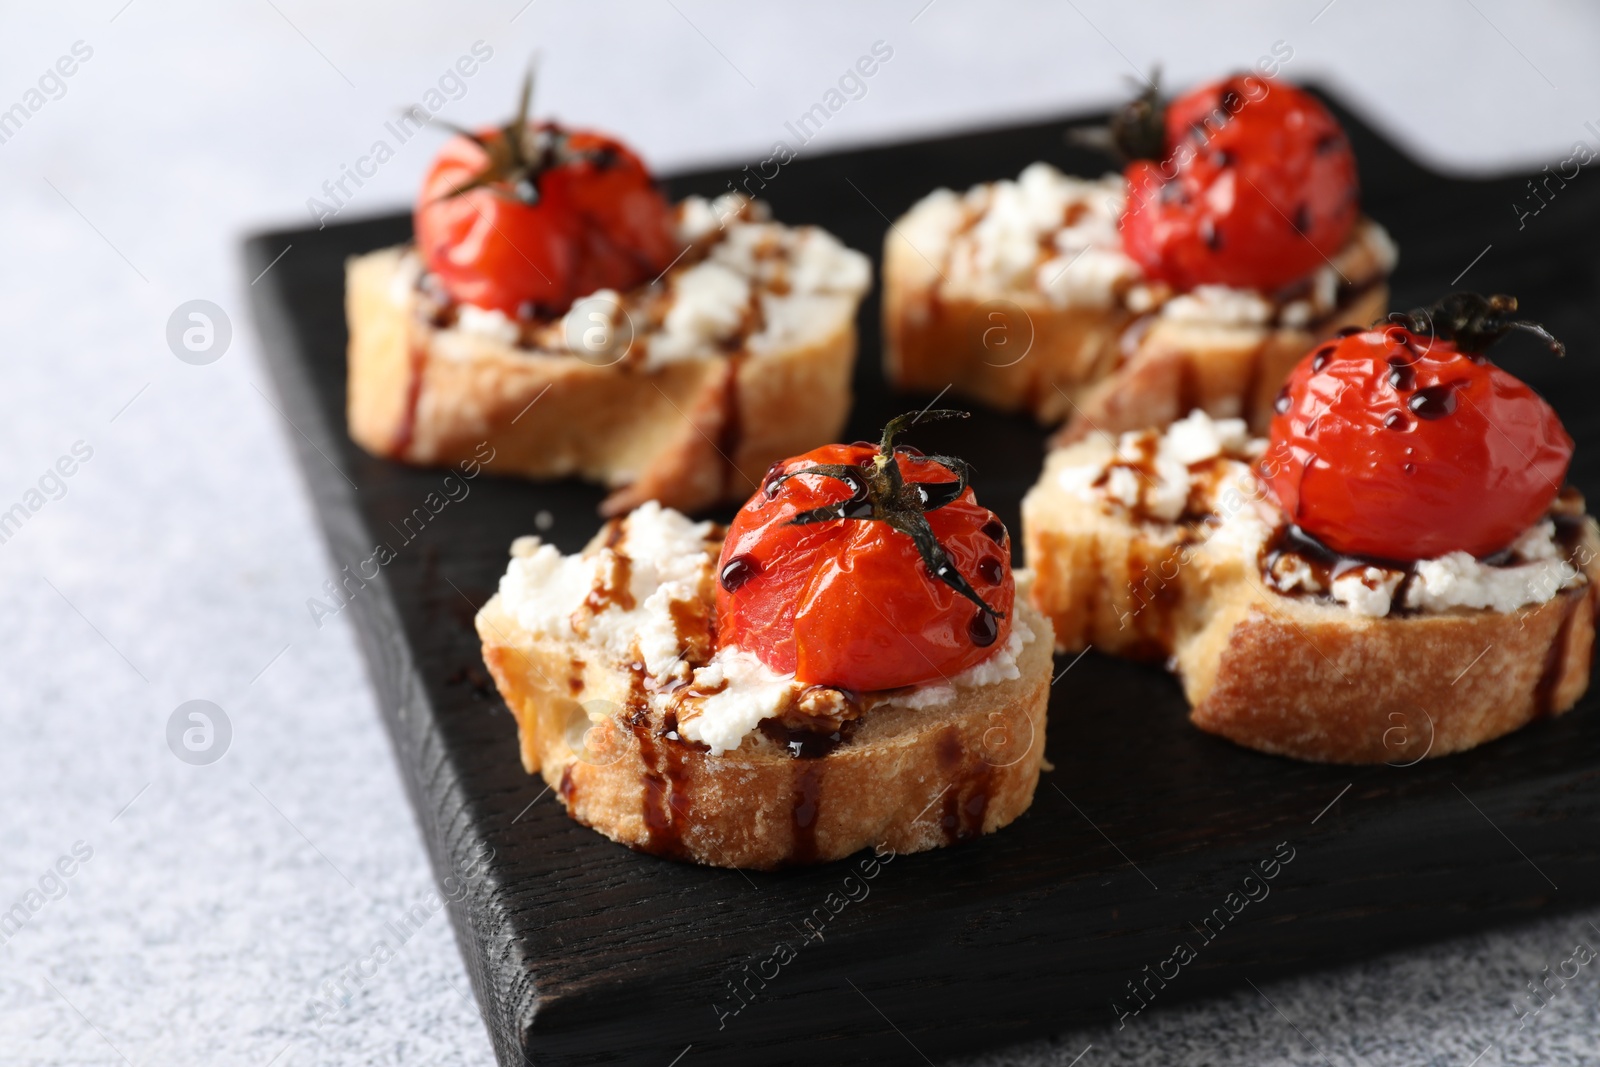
(229, 913)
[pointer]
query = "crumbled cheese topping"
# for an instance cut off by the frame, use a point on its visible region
(1061, 236)
(668, 559)
(1366, 590)
(1219, 305)
(1206, 465)
(1149, 472)
(743, 691)
(709, 306)
(664, 561)
(1045, 230)
(1000, 667)
(745, 282)
(1458, 580)
(487, 322)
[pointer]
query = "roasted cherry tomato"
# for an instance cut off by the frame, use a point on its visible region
(1247, 182)
(529, 217)
(1403, 442)
(866, 568)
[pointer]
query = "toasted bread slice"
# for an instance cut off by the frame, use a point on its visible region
(1079, 335)
(1295, 675)
(907, 778)
(689, 432)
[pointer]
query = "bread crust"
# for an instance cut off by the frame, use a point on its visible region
(1097, 368)
(1293, 676)
(908, 780)
(689, 434)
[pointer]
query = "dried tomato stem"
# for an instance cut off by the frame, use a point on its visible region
(1473, 322)
(878, 492)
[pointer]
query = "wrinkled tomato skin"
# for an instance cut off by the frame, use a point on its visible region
(848, 603)
(595, 225)
(1223, 208)
(1352, 462)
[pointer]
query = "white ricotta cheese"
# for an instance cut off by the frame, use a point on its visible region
(487, 322)
(1086, 278)
(1157, 484)
(1457, 580)
(1219, 305)
(1367, 590)
(668, 560)
(696, 219)
(1000, 667)
(709, 303)
(710, 300)
(752, 692)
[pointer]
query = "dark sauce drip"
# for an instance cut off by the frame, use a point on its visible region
(730, 434)
(403, 434)
(1326, 564)
(1252, 381)
(618, 588)
(1555, 658)
(983, 629)
(1222, 158)
(995, 530)
(1402, 374)
(1320, 360)
(1395, 421)
(737, 571)
(767, 479)
(803, 811)
(1569, 527)
(1188, 387)
(1302, 220)
(1209, 234)
(807, 744)
(1434, 402)
(1153, 594)
(665, 786)
(1282, 403)
(1350, 331)
(967, 786)
(990, 570)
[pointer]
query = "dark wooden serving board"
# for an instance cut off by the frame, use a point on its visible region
(583, 952)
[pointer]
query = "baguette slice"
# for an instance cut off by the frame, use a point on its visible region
(1296, 676)
(1100, 360)
(908, 779)
(688, 433)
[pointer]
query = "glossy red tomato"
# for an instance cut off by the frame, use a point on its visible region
(1255, 188)
(818, 575)
(535, 221)
(1395, 444)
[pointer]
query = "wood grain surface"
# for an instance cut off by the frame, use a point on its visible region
(582, 952)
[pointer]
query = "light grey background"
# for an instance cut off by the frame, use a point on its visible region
(177, 565)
